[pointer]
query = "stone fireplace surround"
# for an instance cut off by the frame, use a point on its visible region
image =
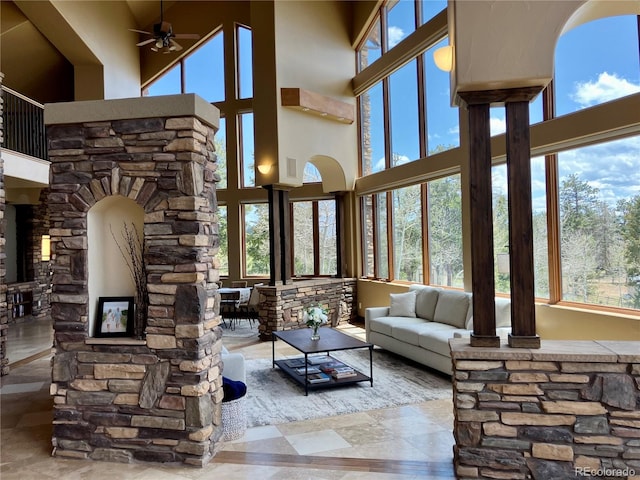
(156, 399)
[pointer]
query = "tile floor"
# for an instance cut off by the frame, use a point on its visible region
(402, 443)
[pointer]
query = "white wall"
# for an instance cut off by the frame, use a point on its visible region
(324, 63)
(108, 272)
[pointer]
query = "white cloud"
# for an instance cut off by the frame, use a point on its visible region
(454, 130)
(399, 159)
(606, 87)
(379, 165)
(497, 125)
(395, 35)
(612, 167)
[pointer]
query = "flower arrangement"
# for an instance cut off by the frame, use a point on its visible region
(314, 316)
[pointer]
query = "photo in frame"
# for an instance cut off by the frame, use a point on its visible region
(115, 317)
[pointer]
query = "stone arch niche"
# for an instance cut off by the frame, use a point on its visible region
(109, 275)
(125, 399)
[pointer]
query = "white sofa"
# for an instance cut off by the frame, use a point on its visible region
(418, 324)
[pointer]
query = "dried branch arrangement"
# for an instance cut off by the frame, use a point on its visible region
(132, 252)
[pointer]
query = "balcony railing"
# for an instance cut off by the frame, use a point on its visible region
(23, 121)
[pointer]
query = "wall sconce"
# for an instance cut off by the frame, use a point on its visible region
(46, 248)
(443, 57)
(264, 168)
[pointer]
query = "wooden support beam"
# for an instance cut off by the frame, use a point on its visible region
(279, 236)
(523, 323)
(316, 104)
(483, 284)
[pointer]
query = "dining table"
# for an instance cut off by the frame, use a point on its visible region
(230, 300)
(245, 293)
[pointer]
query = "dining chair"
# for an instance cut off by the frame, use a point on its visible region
(239, 284)
(249, 310)
(229, 307)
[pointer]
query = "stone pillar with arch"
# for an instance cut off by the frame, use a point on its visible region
(127, 399)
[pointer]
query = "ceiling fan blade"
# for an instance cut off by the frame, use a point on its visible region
(146, 42)
(175, 46)
(139, 31)
(187, 36)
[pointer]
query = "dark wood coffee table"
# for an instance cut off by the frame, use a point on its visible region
(330, 341)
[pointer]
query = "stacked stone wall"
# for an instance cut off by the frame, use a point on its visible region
(38, 270)
(281, 306)
(4, 361)
(568, 410)
(156, 399)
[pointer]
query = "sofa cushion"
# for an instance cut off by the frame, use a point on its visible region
(503, 314)
(426, 300)
(410, 332)
(385, 325)
(403, 304)
(452, 308)
(437, 339)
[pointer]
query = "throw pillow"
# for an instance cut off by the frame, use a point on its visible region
(232, 389)
(403, 304)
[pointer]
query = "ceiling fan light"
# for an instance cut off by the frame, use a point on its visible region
(159, 43)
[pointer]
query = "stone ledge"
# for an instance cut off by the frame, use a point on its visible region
(115, 341)
(130, 108)
(551, 350)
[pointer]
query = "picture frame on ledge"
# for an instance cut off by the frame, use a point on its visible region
(115, 317)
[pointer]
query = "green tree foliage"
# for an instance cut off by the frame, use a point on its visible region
(578, 204)
(597, 245)
(257, 239)
(407, 233)
(630, 229)
(445, 230)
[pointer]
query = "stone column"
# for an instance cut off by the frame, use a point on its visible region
(125, 399)
(4, 361)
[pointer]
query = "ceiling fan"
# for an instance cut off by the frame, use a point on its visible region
(163, 37)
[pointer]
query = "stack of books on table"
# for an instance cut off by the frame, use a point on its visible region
(310, 369)
(343, 372)
(319, 377)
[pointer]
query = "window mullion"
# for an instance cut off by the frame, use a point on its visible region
(426, 257)
(376, 234)
(316, 238)
(390, 235)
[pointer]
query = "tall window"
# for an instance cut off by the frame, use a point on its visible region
(599, 223)
(405, 131)
(247, 159)
(382, 236)
(256, 239)
(220, 141)
(372, 130)
(368, 256)
(445, 231)
(245, 59)
(407, 234)
(223, 240)
(314, 237)
(204, 70)
(215, 77)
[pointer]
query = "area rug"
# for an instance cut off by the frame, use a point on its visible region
(241, 329)
(273, 398)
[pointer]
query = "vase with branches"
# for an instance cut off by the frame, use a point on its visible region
(132, 251)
